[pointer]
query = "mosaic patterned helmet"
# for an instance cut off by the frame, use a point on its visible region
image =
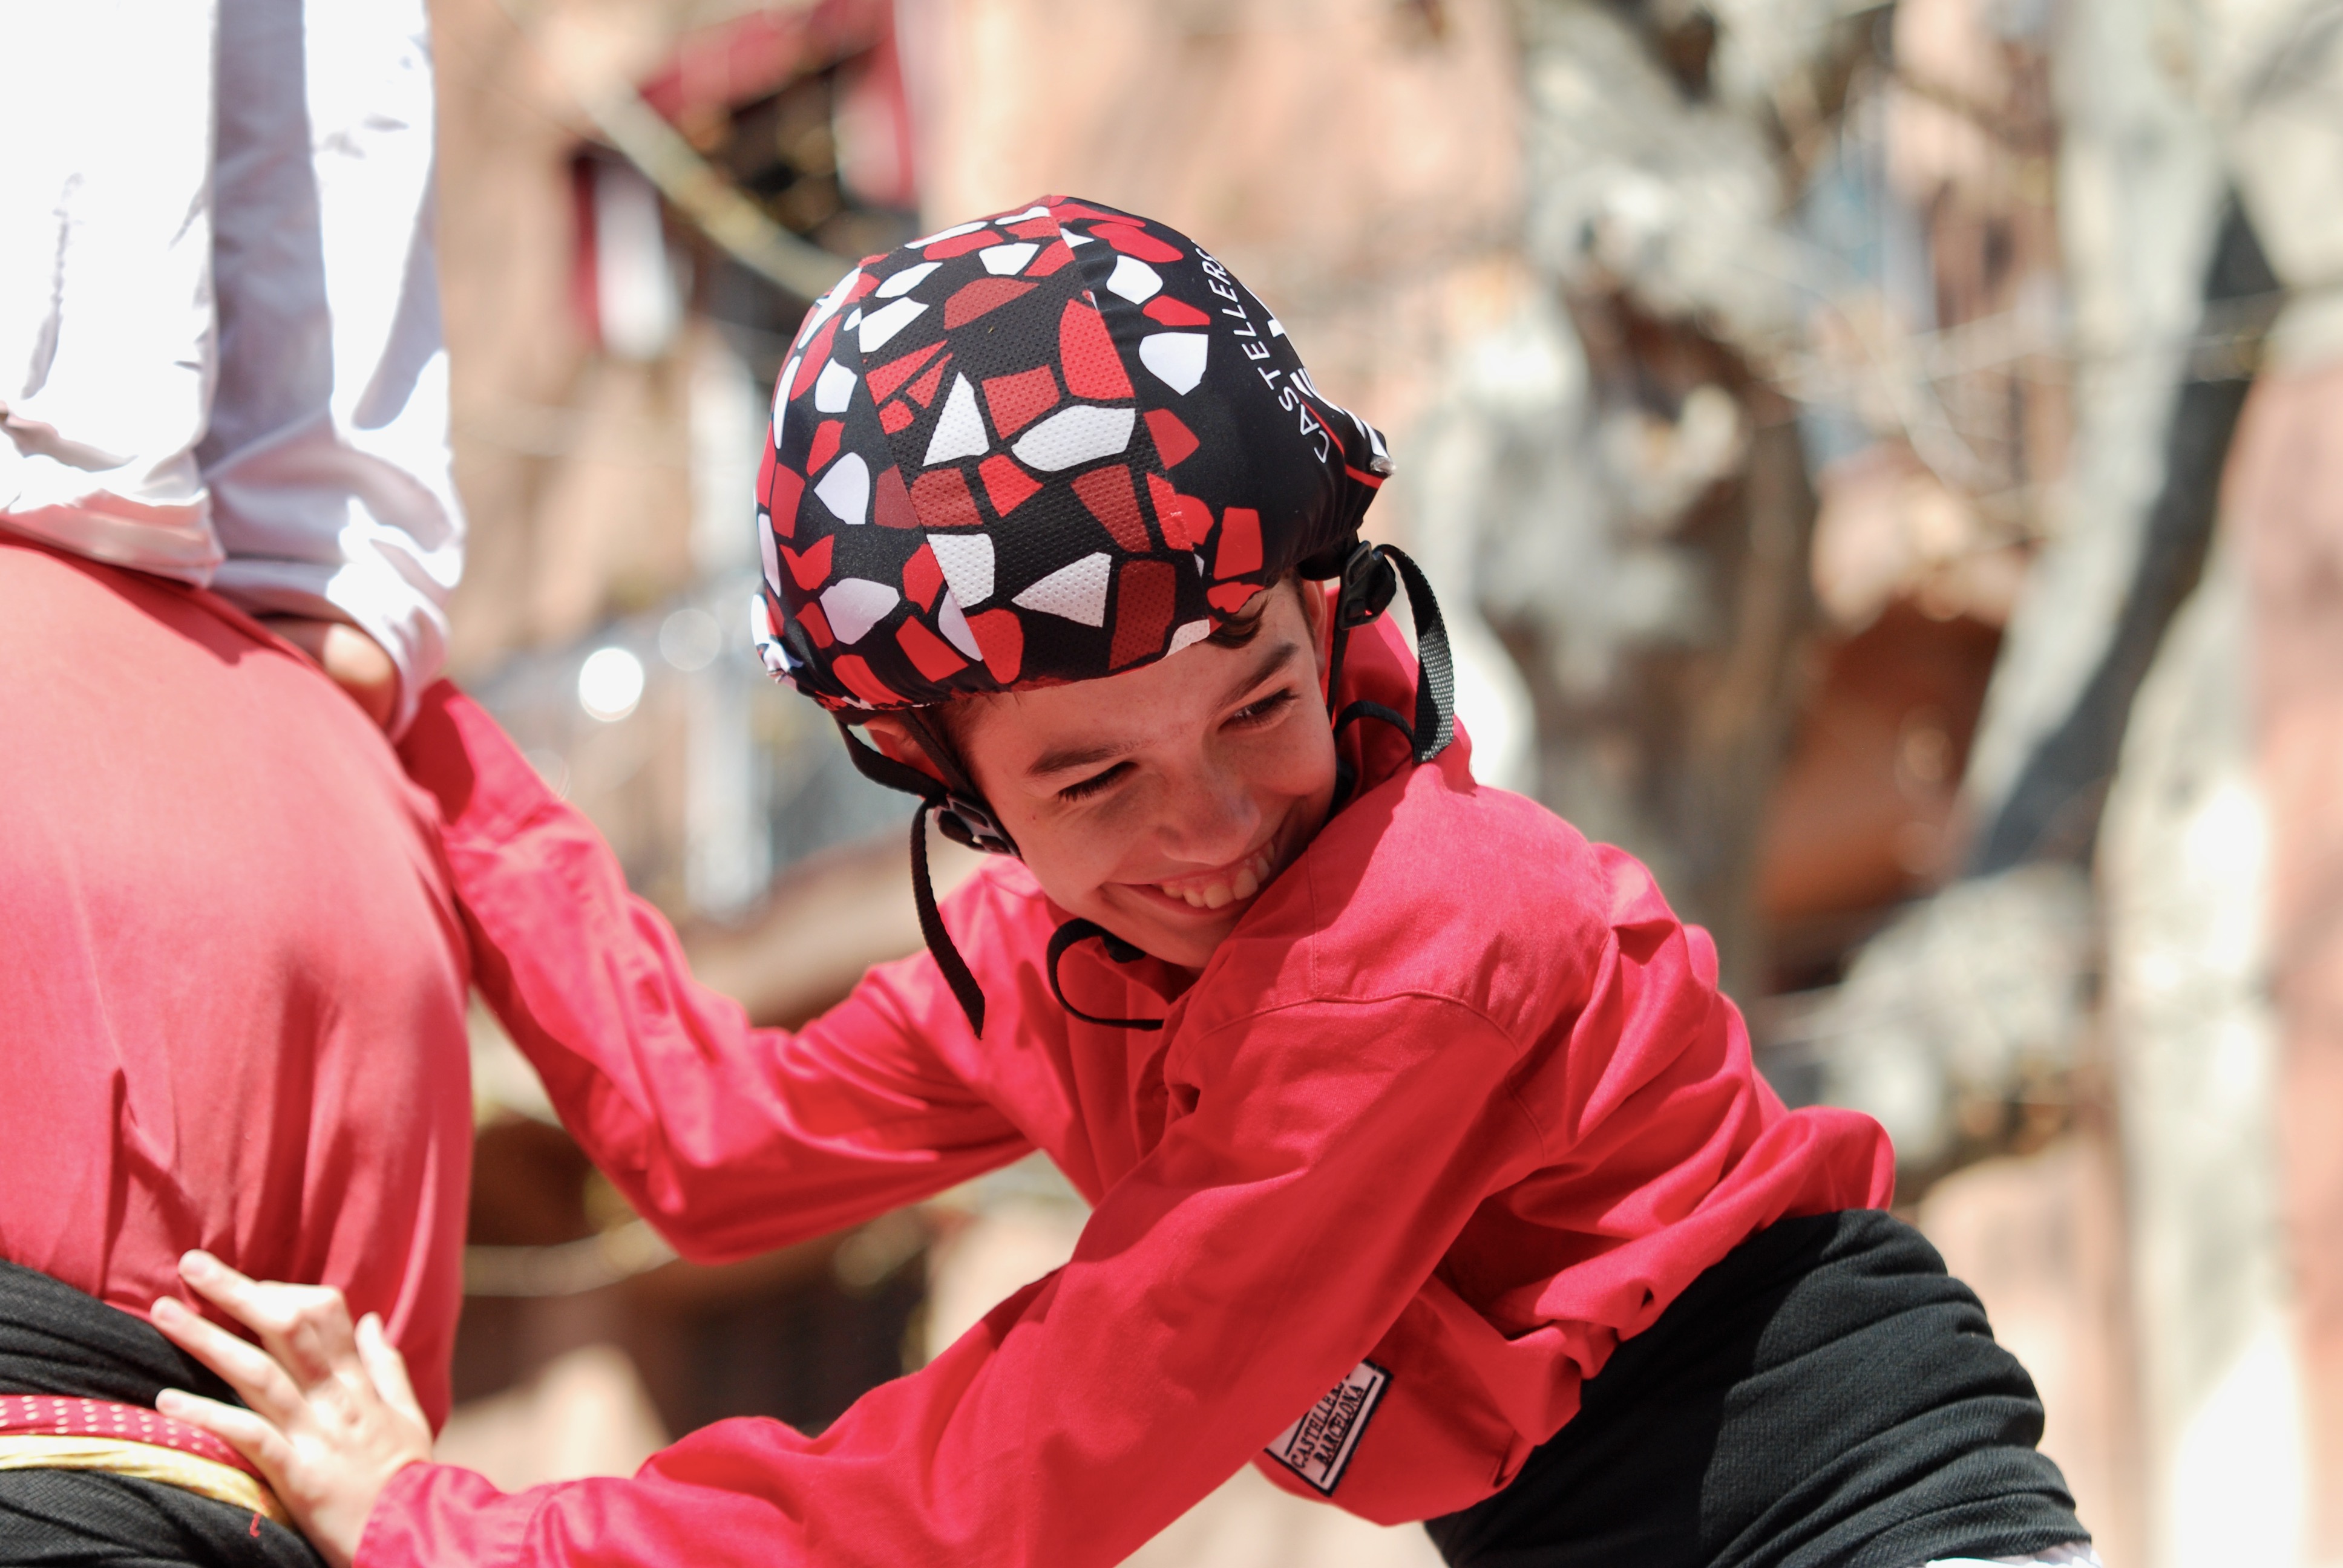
(1042, 447)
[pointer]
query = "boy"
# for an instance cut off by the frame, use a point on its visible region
(1430, 1171)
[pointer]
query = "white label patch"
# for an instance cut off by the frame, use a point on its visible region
(1318, 1446)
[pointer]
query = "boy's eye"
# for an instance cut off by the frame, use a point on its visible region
(1266, 708)
(1253, 714)
(1084, 789)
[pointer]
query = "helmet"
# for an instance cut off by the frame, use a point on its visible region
(1046, 446)
(1042, 447)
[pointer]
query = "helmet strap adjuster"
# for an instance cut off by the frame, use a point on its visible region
(969, 822)
(1369, 585)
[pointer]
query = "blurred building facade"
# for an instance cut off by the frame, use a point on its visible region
(1878, 462)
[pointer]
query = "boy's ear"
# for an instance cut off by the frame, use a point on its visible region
(894, 739)
(1318, 612)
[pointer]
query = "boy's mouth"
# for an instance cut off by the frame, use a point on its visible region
(1224, 885)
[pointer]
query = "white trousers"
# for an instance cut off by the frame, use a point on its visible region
(220, 347)
(2079, 1555)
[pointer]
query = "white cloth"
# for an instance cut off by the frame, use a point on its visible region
(220, 349)
(2081, 1554)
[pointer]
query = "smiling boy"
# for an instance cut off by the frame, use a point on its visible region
(1429, 1169)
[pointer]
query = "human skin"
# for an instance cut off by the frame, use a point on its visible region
(331, 1417)
(1157, 803)
(350, 658)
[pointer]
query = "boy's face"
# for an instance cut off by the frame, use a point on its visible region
(1159, 802)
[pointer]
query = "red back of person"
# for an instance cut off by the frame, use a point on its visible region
(232, 982)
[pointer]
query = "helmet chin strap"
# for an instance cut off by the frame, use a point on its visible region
(963, 819)
(1371, 576)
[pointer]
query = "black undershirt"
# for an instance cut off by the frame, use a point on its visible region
(1825, 1397)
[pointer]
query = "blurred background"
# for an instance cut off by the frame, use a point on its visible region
(1883, 465)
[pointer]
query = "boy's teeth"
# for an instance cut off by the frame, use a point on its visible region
(1219, 895)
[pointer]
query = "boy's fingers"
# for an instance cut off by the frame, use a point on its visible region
(238, 1361)
(306, 1327)
(316, 1340)
(387, 1368)
(252, 1372)
(241, 1430)
(237, 1294)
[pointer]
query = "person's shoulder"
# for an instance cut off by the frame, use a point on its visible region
(1434, 843)
(1434, 886)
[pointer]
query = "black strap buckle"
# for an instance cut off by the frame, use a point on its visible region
(964, 822)
(1369, 584)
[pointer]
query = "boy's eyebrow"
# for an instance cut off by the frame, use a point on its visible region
(1271, 659)
(1070, 757)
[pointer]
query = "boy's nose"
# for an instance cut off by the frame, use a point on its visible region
(1215, 820)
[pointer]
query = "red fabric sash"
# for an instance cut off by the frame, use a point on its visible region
(57, 1415)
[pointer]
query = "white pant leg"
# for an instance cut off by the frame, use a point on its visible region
(105, 305)
(327, 453)
(2081, 1554)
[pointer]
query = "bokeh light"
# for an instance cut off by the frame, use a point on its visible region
(609, 683)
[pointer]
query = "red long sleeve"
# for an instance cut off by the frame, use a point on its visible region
(730, 1140)
(1455, 1110)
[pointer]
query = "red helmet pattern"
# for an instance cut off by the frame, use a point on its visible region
(1042, 447)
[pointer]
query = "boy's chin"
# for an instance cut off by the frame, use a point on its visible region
(1181, 942)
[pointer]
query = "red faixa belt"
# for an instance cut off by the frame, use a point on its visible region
(62, 1432)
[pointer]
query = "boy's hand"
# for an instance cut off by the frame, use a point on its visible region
(350, 658)
(332, 1416)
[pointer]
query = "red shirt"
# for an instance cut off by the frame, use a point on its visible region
(1453, 1109)
(232, 981)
